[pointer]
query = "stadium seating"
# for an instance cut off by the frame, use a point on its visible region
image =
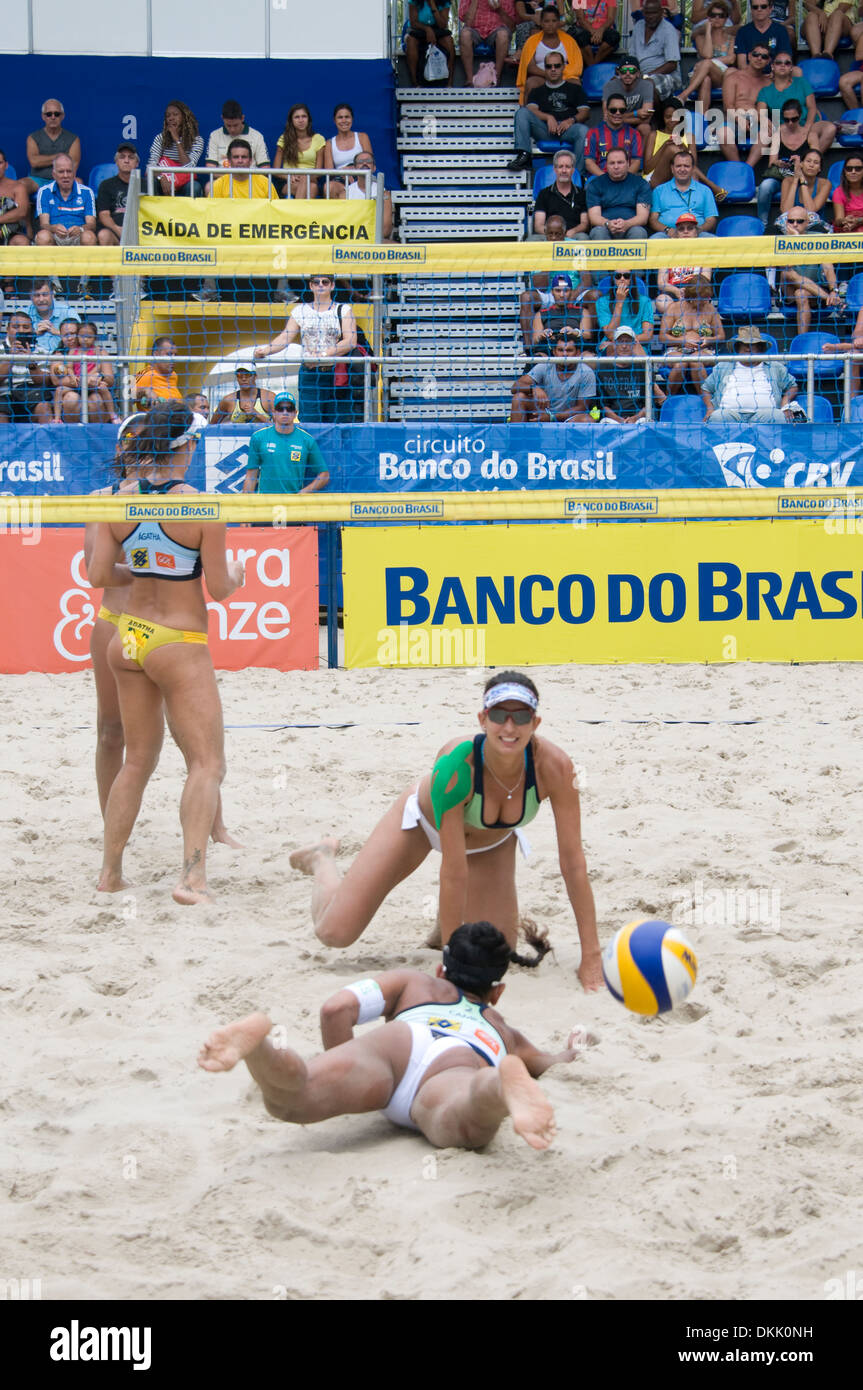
(854, 138)
(813, 342)
(545, 176)
(740, 225)
(822, 411)
(854, 293)
(744, 297)
(681, 410)
(822, 74)
(834, 173)
(594, 78)
(854, 416)
(99, 173)
(736, 178)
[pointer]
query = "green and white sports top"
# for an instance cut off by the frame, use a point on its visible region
(465, 1020)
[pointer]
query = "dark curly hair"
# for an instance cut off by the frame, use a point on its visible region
(477, 955)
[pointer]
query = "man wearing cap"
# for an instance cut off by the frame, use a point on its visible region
(564, 312)
(560, 389)
(249, 404)
(682, 196)
(283, 456)
(557, 110)
(618, 203)
(750, 390)
(620, 379)
(562, 199)
(637, 92)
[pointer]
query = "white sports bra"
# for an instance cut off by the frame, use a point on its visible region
(341, 158)
(151, 553)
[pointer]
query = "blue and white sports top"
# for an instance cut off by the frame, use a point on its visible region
(151, 553)
(463, 1020)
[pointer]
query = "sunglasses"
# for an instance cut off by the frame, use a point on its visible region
(616, 110)
(320, 280)
(782, 62)
(518, 716)
(624, 71)
(796, 222)
(756, 53)
(622, 275)
(284, 407)
(554, 65)
(854, 168)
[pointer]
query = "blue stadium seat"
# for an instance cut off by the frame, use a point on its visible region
(854, 139)
(682, 409)
(607, 281)
(854, 415)
(744, 297)
(740, 225)
(854, 293)
(99, 173)
(552, 146)
(10, 172)
(834, 173)
(545, 176)
(822, 74)
(736, 178)
(813, 342)
(822, 410)
(594, 78)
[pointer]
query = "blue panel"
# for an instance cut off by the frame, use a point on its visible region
(142, 87)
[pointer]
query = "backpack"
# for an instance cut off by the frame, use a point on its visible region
(363, 347)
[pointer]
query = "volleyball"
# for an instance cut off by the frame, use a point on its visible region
(649, 966)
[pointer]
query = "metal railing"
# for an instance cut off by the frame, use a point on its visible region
(212, 172)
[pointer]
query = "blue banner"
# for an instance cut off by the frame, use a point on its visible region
(74, 459)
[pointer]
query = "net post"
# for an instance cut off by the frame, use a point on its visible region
(331, 528)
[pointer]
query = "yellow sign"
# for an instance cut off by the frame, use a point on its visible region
(255, 222)
(641, 592)
(163, 510)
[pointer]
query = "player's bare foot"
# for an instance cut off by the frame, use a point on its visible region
(306, 859)
(220, 835)
(229, 1045)
(581, 1037)
(190, 897)
(530, 1111)
(112, 883)
(434, 940)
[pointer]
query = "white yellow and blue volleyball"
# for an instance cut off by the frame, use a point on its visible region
(649, 966)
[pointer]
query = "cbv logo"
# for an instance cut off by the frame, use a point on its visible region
(739, 469)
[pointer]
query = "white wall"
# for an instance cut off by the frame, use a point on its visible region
(190, 28)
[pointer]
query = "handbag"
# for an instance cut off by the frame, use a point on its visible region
(485, 76)
(177, 180)
(435, 65)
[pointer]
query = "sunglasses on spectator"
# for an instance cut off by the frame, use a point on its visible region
(760, 7)
(622, 275)
(616, 110)
(759, 53)
(782, 62)
(797, 221)
(854, 168)
(320, 280)
(289, 408)
(554, 65)
(623, 70)
(52, 113)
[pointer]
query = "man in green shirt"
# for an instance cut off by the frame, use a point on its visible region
(281, 454)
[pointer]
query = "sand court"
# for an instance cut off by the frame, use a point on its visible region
(714, 1153)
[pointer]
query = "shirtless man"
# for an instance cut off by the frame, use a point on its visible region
(444, 1063)
(740, 90)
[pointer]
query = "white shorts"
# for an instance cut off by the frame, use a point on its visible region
(425, 1049)
(412, 816)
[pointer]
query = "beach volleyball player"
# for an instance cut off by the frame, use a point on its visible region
(159, 655)
(472, 807)
(445, 1062)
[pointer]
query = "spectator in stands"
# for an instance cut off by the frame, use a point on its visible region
(429, 24)
(784, 87)
(528, 14)
(638, 95)
(752, 391)
(559, 389)
(249, 404)
(593, 30)
(66, 209)
(805, 187)
(804, 284)
(198, 403)
(681, 194)
(826, 22)
(177, 146)
(855, 345)
(851, 80)
(556, 110)
(59, 370)
(848, 197)
(299, 147)
(691, 326)
(763, 31)
(550, 39)
(326, 331)
(665, 139)
(46, 314)
(112, 195)
(655, 43)
(44, 145)
(22, 384)
(698, 14)
(282, 457)
(83, 357)
(671, 282)
(341, 149)
(613, 134)
(618, 203)
(715, 45)
(564, 311)
(241, 184)
(158, 382)
(14, 208)
(539, 295)
(788, 145)
(623, 303)
(562, 198)
(740, 92)
(354, 187)
(482, 20)
(620, 379)
(234, 124)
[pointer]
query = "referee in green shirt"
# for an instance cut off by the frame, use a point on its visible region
(282, 455)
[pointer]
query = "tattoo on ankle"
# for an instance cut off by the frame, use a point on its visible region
(190, 864)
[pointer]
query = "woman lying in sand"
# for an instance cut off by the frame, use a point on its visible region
(471, 808)
(444, 1063)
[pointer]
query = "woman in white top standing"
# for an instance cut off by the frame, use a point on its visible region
(342, 148)
(327, 332)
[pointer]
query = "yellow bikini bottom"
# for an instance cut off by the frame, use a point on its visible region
(140, 638)
(109, 616)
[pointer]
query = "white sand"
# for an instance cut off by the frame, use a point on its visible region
(714, 1153)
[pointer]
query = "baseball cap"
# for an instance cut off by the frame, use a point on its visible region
(687, 219)
(561, 280)
(624, 331)
(246, 367)
(285, 398)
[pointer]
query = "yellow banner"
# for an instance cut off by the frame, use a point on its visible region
(661, 592)
(254, 222)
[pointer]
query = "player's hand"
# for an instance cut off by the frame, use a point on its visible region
(590, 972)
(237, 572)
